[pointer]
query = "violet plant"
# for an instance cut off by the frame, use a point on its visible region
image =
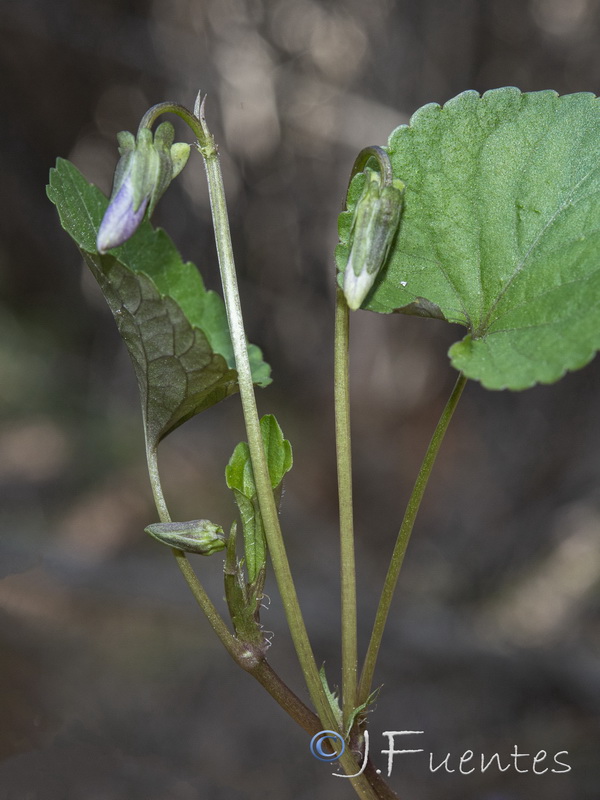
(483, 212)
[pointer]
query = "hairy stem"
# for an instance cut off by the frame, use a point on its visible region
(157, 492)
(344, 464)
(391, 579)
(268, 508)
(344, 471)
(250, 659)
(267, 504)
(260, 470)
(234, 647)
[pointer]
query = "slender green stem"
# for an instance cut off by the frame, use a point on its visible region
(344, 464)
(242, 654)
(268, 508)
(383, 161)
(235, 648)
(344, 471)
(391, 579)
(204, 138)
(159, 497)
(248, 658)
(309, 721)
(286, 698)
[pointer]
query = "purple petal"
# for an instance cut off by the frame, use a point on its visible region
(120, 221)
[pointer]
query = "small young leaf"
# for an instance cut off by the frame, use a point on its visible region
(176, 332)
(500, 231)
(278, 450)
(238, 472)
(240, 478)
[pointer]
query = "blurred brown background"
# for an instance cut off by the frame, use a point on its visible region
(111, 683)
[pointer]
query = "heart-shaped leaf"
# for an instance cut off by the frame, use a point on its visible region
(176, 331)
(500, 231)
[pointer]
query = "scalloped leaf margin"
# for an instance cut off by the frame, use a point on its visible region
(500, 231)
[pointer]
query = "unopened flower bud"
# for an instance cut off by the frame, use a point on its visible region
(199, 536)
(146, 168)
(376, 218)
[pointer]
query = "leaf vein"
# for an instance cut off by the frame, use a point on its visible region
(545, 228)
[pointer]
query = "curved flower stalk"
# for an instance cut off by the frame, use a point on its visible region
(147, 166)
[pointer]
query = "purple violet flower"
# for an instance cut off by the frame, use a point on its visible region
(121, 220)
(147, 166)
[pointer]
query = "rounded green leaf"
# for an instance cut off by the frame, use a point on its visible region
(500, 231)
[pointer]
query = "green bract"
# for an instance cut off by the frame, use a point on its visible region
(500, 231)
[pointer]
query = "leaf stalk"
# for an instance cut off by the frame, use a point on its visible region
(403, 538)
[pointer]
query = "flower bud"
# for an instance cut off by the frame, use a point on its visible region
(199, 536)
(376, 218)
(146, 168)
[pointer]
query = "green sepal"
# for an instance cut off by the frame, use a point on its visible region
(150, 162)
(374, 225)
(180, 153)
